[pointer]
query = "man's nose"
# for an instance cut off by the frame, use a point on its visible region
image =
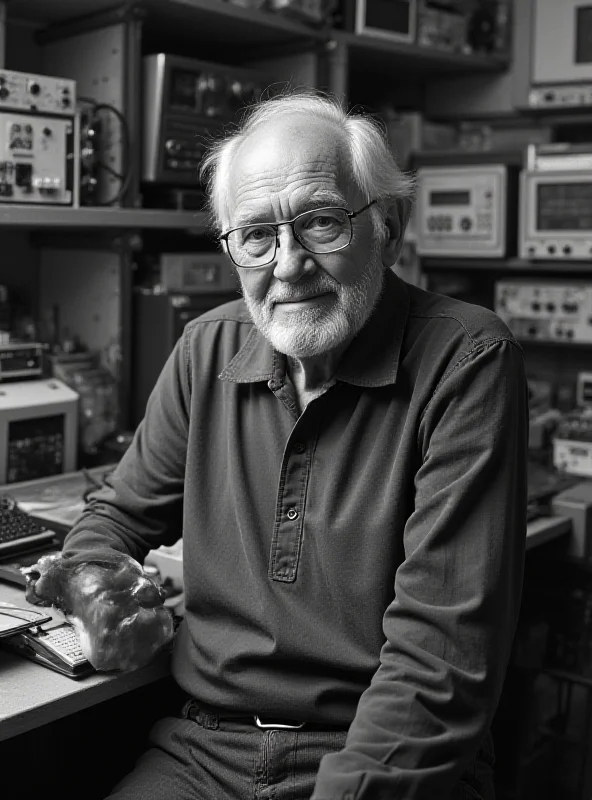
(292, 260)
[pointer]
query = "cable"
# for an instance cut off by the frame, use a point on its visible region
(126, 175)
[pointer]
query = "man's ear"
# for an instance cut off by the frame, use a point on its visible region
(396, 219)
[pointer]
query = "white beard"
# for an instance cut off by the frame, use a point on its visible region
(316, 330)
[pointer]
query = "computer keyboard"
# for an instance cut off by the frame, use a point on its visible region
(19, 532)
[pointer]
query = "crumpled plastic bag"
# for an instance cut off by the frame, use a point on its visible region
(116, 609)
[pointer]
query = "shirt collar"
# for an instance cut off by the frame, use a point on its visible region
(372, 359)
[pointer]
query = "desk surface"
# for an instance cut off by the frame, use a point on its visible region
(544, 529)
(57, 500)
(32, 695)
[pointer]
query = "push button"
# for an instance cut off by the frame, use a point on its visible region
(292, 514)
(299, 447)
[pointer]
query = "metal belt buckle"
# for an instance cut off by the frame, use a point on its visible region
(281, 725)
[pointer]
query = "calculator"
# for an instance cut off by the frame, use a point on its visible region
(54, 645)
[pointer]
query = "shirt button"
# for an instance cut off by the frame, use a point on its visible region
(299, 447)
(292, 514)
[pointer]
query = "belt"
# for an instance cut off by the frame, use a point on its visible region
(211, 720)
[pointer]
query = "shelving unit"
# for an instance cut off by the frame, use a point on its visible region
(507, 265)
(228, 23)
(100, 44)
(372, 55)
(93, 247)
(215, 21)
(35, 217)
(221, 22)
(231, 30)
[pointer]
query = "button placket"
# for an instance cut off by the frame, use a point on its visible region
(287, 537)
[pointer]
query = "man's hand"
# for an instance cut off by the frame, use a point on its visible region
(117, 610)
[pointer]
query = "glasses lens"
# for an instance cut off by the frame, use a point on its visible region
(324, 230)
(252, 246)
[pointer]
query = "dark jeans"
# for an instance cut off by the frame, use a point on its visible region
(201, 757)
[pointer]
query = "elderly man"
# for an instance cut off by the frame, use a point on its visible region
(344, 456)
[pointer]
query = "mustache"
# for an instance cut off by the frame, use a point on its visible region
(292, 293)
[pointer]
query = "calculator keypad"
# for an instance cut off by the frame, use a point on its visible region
(65, 642)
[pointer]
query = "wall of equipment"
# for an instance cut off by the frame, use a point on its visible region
(110, 115)
(106, 117)
(504, 216)
(103, 123)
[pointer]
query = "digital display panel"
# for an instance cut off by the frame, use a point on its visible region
(450, 198)
(183, 89)
(388, 15)
(35, 448)
(564, 207)
(584, 35)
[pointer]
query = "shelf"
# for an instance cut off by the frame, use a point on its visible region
(219, 21)
(373, 55)
(106, 218)
(46, 12)
(545, 529)
(569, 676)
(215, 21)
(226, 23)
(507, 265)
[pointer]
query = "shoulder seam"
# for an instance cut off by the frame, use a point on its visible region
(486, 343)
(445, 316)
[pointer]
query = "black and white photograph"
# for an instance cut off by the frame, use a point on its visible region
(296, 399)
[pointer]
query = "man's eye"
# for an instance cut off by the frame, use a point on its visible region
(255, 235)
(322, 221)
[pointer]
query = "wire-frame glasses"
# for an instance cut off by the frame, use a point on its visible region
(321, 230)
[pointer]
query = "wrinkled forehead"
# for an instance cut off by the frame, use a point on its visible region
(289, 158)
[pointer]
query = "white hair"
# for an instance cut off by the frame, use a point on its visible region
(372, 163)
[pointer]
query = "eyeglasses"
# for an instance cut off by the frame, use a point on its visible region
(321, 230)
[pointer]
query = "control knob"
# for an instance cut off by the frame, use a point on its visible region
(34, 88)
(173, 145)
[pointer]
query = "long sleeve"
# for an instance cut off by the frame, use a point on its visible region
(449, 630)
(141, 505)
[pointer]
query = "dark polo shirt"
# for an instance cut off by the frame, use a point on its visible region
(358, 563)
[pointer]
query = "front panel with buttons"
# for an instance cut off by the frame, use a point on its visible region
(22, 91)
(549, 311)
(461, 211)
(556, 215)
(38, 429)
(36, 159)
(186, 103)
